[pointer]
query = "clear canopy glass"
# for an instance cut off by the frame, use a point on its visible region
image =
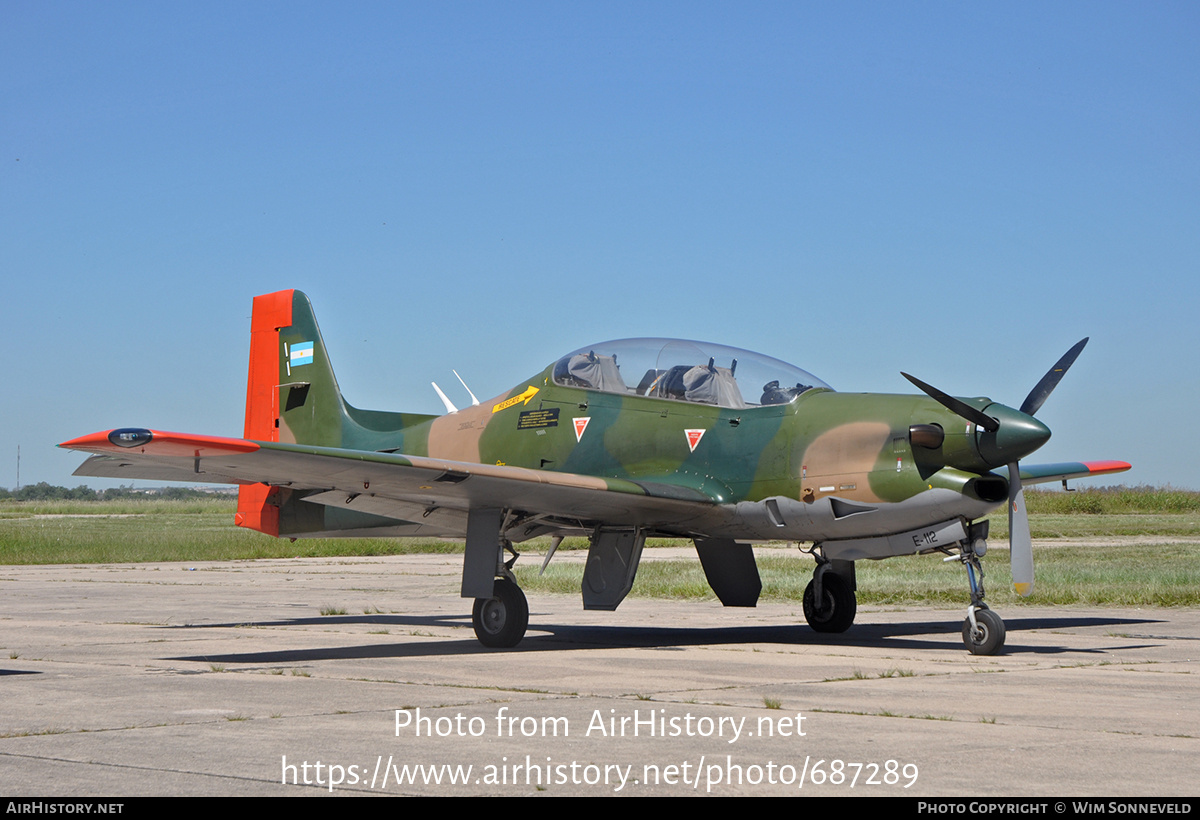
(684, 370)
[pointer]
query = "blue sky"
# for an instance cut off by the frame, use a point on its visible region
(958, 190)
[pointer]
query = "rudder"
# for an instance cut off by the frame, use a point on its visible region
(291, 393)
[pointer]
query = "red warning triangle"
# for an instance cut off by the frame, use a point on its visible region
(581, 424)
(693, 438)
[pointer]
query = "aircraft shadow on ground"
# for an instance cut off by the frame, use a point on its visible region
(559, 637)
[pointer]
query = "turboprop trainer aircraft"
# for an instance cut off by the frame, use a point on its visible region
(622, 441)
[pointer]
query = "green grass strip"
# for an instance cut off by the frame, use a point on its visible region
(1098, 576)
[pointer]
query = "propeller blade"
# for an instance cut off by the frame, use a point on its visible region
(954, 405)
(1046, 386)
(1020, 543)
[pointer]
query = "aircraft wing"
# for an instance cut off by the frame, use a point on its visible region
(388, 484)
(1042, 473)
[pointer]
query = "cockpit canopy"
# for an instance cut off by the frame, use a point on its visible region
(683, 370)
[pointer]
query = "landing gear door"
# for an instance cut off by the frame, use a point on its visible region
(611, 566)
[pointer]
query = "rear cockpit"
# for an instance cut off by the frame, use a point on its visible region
(682, 370)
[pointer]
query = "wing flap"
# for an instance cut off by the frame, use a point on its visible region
(106, 466)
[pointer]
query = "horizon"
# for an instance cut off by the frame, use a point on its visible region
(959, 192)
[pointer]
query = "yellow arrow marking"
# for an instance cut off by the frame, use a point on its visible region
(529, 393)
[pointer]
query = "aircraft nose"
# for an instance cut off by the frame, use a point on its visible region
(1018, 435)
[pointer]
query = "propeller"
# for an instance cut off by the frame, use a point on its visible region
(1020, 543)
(954, 405)
(1042, 390)
(1013, 434)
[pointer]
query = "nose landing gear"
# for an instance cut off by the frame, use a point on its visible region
(983, 630)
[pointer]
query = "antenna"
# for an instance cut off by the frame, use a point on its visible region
(464, 384)
(450, 408)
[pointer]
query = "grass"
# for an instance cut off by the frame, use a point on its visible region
(1099, 511)
(141, 506)
(1113, 501)
(137, 530)
(1074, 525)
(106, 532)
(1120, 576)
(1167, 575)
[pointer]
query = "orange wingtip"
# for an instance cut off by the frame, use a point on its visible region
(159, 443)
(1099, 467)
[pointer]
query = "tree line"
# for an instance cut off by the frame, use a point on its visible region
(43, 491)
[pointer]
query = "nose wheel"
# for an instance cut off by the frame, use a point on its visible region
(983, 630)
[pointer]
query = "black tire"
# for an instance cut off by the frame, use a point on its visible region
(839, 608)
(988, 636)
(500, 621)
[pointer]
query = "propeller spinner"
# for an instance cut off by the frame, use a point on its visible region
(1009, 435)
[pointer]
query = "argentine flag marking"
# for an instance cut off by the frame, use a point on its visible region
(301, 353)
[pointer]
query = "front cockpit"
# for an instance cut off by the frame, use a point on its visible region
(682, 370)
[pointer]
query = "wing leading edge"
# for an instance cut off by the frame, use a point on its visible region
(1063, 470)
(437, 493)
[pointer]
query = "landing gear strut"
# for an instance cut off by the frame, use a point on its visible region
(500, 621)
(829, 601)
(983, 630)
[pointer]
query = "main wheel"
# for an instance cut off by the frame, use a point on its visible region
(837, 611)
(988, 635)
(500, 621)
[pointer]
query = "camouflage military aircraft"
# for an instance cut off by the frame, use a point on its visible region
(619, 442)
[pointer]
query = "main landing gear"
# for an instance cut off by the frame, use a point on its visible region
(500, 621)
(983, 630)
(829, 601)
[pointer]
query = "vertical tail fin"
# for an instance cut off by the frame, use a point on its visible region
(291, 393)
(257, 509)
(292, 396)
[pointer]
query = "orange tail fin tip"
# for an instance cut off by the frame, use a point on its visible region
(271, 312)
